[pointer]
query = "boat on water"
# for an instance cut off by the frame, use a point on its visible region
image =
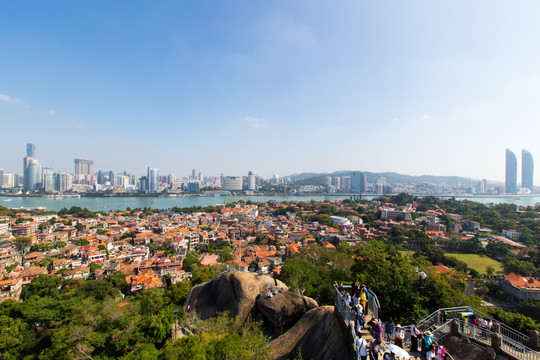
(7, 200)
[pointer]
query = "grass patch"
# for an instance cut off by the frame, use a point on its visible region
(474, 261)
(478, 262)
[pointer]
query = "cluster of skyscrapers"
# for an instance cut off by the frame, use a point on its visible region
(38, 178)
(527, 172)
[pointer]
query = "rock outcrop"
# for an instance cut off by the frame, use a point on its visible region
(234, 292)
(313, 330)
(462, 349)
(317, 335)
(283, 309)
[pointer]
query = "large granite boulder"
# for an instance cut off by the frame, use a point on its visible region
(282, 308)
(318, 335)
(234, 292)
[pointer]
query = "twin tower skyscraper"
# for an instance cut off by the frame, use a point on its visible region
(527, 171)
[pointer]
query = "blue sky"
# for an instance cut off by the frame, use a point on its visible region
(419, 87)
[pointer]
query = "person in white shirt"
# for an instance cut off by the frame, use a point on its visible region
(399, 335)
(415, 333)
(361, 347)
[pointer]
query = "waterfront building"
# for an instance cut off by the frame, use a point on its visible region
(64, 182)
(527, 170)
(31, 181)
(8, 180)
(83, 169)
(346, 183)
(101, 177)
(358, 182)
(153, 183)
(251, 183)
(193, 187)
(31, 150)
(511, 173)
(232, 183)
(143, 184)
(336, 181)
(47, 179)
(31, 169)
(1, 178)
(112, 178)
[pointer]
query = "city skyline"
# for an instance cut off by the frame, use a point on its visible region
(274, 87)
(85, 167)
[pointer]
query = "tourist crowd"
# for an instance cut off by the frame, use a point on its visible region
(357, 298)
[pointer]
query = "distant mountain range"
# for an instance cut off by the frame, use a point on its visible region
(391, 178)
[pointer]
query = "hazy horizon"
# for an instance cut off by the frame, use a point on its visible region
(424, 88)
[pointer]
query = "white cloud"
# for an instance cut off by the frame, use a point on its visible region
(395, 120)
(256, 122)
(9, 99)
(52, 112)
(426, 117)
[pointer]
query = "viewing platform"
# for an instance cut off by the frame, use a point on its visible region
(450, 326)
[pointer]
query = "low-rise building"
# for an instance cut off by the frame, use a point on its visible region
(511, 234)
(521, 287)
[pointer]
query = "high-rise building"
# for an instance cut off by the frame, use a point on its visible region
(9, 180)
(527, 170)
(47, 179)
(358, 182)
(84, 167)
(153, 182)
(1, 178)
(346, 183)
(83, 171)
(251, 183)
(232, 183)
(193, 187)
(31, 180)
(31, 150)
(100, 177)
(64, 182)
(511, 173)
(193, 174)
(112, 178)
(336, 181)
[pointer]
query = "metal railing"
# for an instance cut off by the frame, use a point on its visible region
(512, 341)
(344, 311)
(347, 314)
(373, 305)
(443, 331)
(475, 332)
(500, 327)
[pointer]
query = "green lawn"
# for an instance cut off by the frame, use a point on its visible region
(478, 262)
(474, 261)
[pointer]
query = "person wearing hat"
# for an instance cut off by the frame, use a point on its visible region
(429, 342)
(399, 336)
(360, 319)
